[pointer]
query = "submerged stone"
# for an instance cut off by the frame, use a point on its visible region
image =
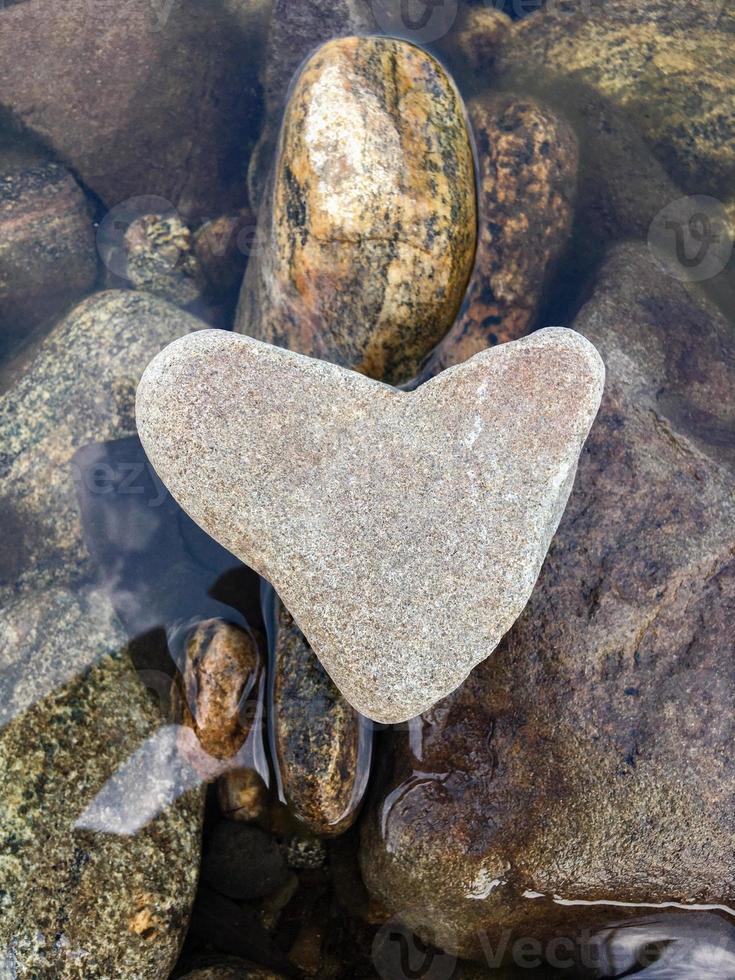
(74, 713)
(322, 746)
(527, 161)
(589, 760)
(403, 530)
(367, 234)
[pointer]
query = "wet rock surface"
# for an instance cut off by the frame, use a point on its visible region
(366, 243)
(231, 969)
(243, 862)
(330, 524)
(322, 746)
(588, 760)
(47, 252)
(160, 259)
(643, 59)
(223, 671)
(527, 159)
(136, 98)
(78, 389)
(295, 31)
(73, 709)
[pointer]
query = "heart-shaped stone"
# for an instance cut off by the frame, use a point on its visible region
(403, 530)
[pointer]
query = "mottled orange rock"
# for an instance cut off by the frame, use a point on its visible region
(368, 229)
(223, 668)
(527, 158)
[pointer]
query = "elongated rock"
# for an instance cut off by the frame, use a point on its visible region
(367, 234)
(322, 745)
(589, 761)
(403, 530)
(527, 158)
(73, 711)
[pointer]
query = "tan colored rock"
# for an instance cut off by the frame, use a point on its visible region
(48, 258)
(295, 31)
(136, 97)
(322, 746)
(589, 760)
(527, 158)
(368, 231)
(403, 530)
(223, 669)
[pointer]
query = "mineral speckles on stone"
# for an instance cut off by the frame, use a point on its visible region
(403, 530)
(322, 746)
(223, 667)
(590, 758)
(528, 166)
(368, 231)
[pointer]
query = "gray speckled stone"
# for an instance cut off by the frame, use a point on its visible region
(75, 904)
(403, 530)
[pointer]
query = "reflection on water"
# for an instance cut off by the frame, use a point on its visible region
(164, 577)
(670, 946)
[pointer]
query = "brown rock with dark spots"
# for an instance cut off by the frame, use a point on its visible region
(322, 745)
(242, 795)
(223, 246)
(590, 759)
(137, 98)
(475, 38)
(47, 251)
(368, 231)
(527, 158)
(223, 671)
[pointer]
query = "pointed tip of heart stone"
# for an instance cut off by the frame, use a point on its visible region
(404, 531)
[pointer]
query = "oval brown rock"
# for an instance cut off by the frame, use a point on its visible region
(368, 228)
(322, 745)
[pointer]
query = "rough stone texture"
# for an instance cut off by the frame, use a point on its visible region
(160, 259)
(590, 758)
(368, 232)
(137, 98)
(527, 158)
(243, 862)
(231, 969)
(47, 252)
(222, 247)
(403, 530)
(321, 745)
(223, 668)
(668, 64)
(475, 38)
(78, 389)
(296, 30)
(77, 904)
